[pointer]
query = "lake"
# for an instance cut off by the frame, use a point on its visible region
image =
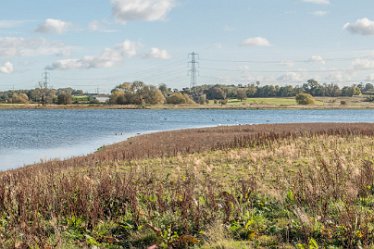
(28, 136)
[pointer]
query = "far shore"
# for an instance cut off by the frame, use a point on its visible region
(354, 103)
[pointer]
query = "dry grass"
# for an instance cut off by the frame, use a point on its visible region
(264, 186)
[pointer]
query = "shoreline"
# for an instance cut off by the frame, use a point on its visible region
(93, 149)
(183, 107)
(187, 108)
(171, 143)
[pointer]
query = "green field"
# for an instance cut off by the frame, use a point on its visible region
(265, 101)
(357, 102)
(80, 99)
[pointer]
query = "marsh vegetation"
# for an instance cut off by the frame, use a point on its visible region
(266, 186)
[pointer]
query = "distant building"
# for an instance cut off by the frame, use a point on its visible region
(102, 99)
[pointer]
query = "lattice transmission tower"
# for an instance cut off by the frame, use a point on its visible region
(193, 72)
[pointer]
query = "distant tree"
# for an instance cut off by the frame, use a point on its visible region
(68, 90)
(202, 99)
(251, 90)
(215, 93)
(266, 91)
(368, 88)
(350, 91)
(165, 90)
(77, 92)
(64, 98)
(20, 98)
(331, 90)
(117, 97)
(231, 91)
(286, 91)
(136, 93)
(179, 98)
(304, 99)
(137, 86)
(313, 88)
(151, 95)
(242, 94)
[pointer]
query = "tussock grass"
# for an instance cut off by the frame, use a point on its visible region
(267, 186)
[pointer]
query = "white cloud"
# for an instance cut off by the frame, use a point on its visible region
(317, 1)
(147, 10)
(108, 58)
(320, 13)
(19, 46)
(318, 59)
(363, 64)
(291, 77)
(362, 26)
(7, 68)
(157, 53)
(256, 42)
(53, 26)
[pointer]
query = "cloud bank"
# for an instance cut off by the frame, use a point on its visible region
(363, 26)
(141, 10)
(53, 26)
(7, 68)
(108, 58)
(157, 53)
(19, 46)
(256, 42)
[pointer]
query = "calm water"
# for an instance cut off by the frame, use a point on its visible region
(28, 136)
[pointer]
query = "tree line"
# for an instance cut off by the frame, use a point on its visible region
(312, 87)
(139, 93)
(44, 96)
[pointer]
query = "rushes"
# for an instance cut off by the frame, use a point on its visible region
(284, 185)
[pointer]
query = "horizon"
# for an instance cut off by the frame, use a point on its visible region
(239, 43)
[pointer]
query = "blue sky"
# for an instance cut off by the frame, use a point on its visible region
(90, 44)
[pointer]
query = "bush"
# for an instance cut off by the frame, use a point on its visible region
(224, 101)
(20, 98)
(64, 98)
(304, 99)
(179, 98)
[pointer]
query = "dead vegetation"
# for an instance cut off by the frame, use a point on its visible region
(227, 187)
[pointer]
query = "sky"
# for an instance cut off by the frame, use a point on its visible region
(97, 44)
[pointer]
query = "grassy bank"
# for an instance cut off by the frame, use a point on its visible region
(250, 103)
(265, 186)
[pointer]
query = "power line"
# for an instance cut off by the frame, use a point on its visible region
(278, 61)
(285, 71)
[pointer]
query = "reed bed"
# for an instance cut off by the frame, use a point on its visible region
(265, 186)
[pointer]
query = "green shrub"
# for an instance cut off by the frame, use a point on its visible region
(179, 98)
(304, 99)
